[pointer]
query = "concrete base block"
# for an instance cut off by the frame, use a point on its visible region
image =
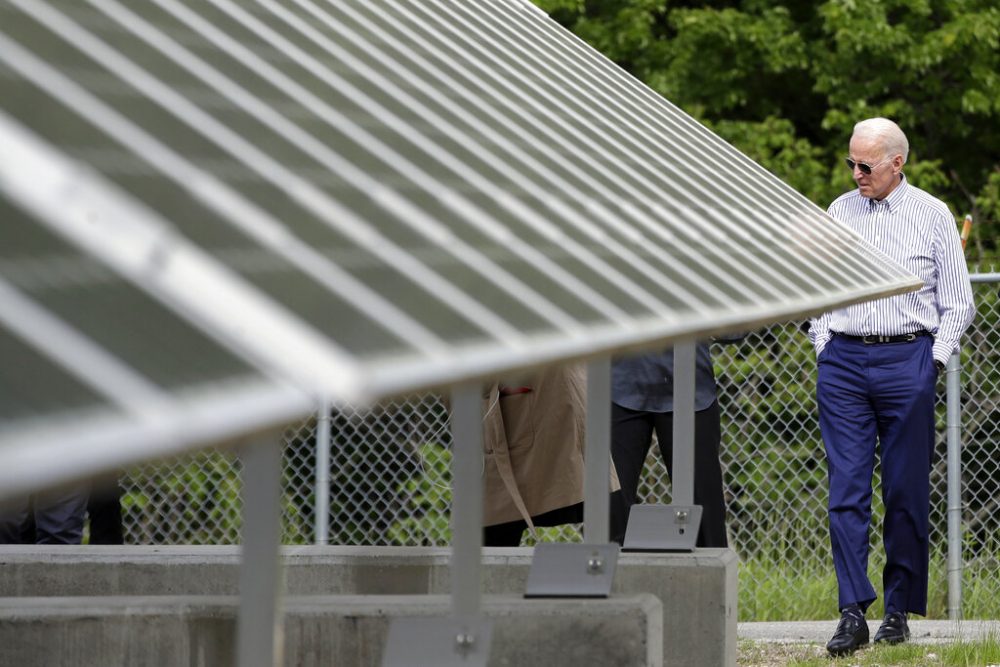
(184, 631)
(698, 590)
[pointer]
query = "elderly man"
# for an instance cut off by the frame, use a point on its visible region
(878, 366)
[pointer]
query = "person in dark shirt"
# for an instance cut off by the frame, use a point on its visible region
(642, 395)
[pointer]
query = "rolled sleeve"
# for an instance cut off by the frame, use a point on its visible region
(819, 332)
(955, 304)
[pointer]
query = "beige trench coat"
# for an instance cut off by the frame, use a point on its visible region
(533, 445)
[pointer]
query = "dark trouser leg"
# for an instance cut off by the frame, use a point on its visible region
(105, 511)
(631, 436)
(509, 534)
(504, 534)
(847, 422)
(708, 487)
(904, 390)
(59, 515)
(14, 520)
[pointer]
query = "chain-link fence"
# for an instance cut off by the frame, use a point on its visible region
(389, 478)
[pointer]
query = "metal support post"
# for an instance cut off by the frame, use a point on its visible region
(682, 481)
(597, 449)
(588, 569)
(467, 500)
(464, 638)
(323, 444)
(954, 437)
(260, 625)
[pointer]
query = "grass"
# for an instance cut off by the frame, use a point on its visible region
(981, 653)
(979, 590)
(764, 587)
(764, 592)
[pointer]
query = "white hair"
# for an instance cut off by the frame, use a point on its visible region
(886, 133)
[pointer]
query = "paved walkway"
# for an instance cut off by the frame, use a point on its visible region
(819, 632)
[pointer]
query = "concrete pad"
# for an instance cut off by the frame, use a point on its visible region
(698, 590)
(197, 631)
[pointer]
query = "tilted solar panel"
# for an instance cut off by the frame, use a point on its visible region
(96, 373)
(378, 197)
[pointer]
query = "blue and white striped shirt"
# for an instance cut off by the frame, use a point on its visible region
(917, 231)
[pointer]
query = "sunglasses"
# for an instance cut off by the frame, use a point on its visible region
(865, 168)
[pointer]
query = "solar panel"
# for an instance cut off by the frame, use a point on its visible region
(96, 373)
(368, 198)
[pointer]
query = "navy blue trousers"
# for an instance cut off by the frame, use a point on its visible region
(884, 394)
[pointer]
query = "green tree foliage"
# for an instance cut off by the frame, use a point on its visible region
(786, 81)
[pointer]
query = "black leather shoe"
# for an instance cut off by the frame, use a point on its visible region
(851, 634)
(893, 630)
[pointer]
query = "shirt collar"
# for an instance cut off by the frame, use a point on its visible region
(896, 197)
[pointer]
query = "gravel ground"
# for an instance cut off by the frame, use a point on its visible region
(819, 632)
(777, 644)
(770, 654)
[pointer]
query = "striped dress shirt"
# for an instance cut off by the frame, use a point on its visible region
(917, 231)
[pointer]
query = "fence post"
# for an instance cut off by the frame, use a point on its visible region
(954, 439)
(322, 523)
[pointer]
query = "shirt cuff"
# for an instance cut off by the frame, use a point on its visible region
(942, 351)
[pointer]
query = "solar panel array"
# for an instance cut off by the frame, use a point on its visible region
(216, 198)
(96, 373)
